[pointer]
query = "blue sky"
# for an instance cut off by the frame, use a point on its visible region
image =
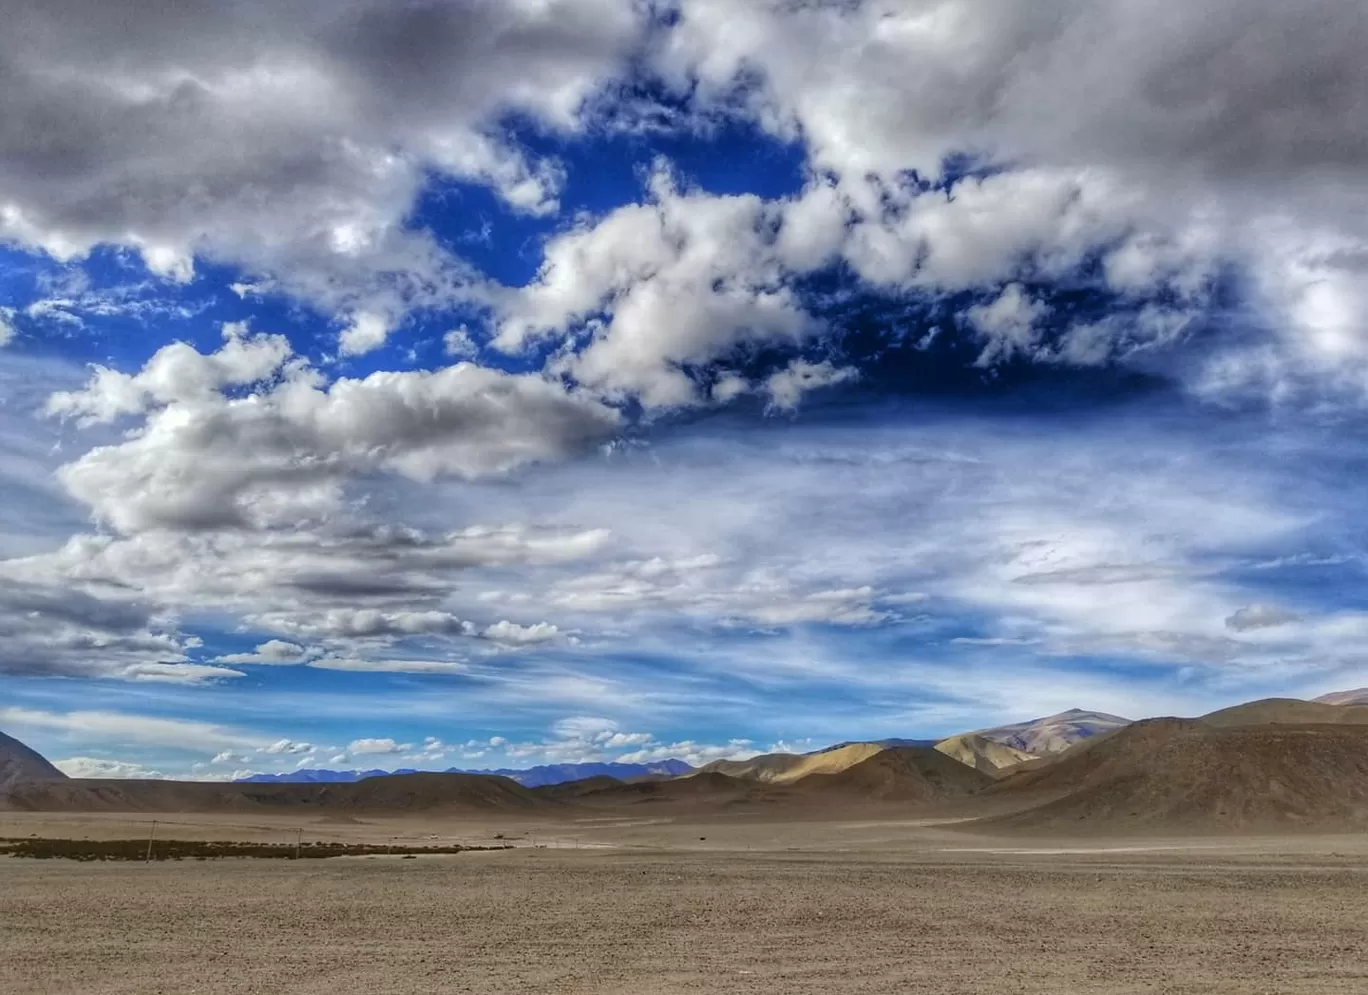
(487, 384)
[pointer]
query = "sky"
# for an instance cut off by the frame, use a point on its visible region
(485, 383)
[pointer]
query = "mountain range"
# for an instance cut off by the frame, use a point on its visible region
(532, 777)
(989, 749)
(1276, 763)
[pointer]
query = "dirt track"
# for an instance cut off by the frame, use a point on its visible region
(1211, 920)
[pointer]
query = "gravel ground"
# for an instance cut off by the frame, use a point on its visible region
(567, 922)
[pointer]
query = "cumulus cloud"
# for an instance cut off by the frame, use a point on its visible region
(286, 747)
(366, 333)
(203, 459)
(363, 598)
(657, 301)
(586, 739)
(680, 280)
(1007, 323)
(692, 752)
(369, 622)
(787, 387)
(55, 630)
(283, 139)
(271, 652)
(459, 345)
(520, 635)
(376, 747)
(7, 332)
(1071, 80)
(177, 372)
(1166, 145)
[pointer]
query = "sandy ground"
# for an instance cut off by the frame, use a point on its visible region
(645, 908)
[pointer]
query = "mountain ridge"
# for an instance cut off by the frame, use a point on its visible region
(531, 777)
(20, 763)
(1053, 734)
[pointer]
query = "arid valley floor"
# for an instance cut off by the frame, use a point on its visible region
(646, 907)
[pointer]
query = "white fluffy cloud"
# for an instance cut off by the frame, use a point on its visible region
(286, 747)
(787, 387)
(376, 747)
(366, 333)
(590, 739)
(290, 140)
(514, 634)
(680, 281)
(176, 373)
(1008, 323)
(272, 652)
(885, 85)
(1166, 143)
(656, 301)
(283, 453)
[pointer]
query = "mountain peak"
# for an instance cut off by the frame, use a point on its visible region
(1358, 696)
(19, 763)
(1054, 733)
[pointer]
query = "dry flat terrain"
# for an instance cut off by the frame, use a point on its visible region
(838, 908)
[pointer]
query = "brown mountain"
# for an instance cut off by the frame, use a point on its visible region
(1054, 733)
(1355, 697)
(397, 794)
(582, 788)
(786, 768)
(983, 754)
(703, 794)
(1288, 711)
(19, 763)
(901, 774)
(1188, 774)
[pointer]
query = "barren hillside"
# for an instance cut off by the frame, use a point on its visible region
(982, 754)
(785, 768)
(904, 774)
(1288, 711)
(398, 794)
(19, 763)
(1054, 733)
(1186, 774)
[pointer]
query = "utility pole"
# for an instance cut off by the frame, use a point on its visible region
(299, 842)
(150, 837)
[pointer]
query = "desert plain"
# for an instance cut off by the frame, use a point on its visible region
(639, 905)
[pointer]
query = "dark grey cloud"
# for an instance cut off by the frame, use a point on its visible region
(1233, 87)
(1260, 617)
(60, 630)
(290, 139)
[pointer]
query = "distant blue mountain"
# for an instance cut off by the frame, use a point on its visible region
(533, 777)
(538, 777)
(887, 744)
(318, 776)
